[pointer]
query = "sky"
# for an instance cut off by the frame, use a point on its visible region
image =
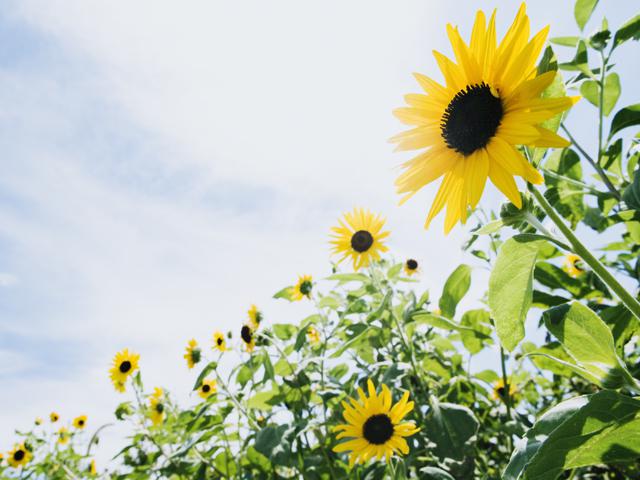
(166, 165)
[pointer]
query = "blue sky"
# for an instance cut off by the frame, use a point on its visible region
(166, 166)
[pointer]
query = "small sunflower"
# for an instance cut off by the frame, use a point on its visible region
(374, 426)
(54, 417)
(411, 266)
(499, 390)
(156, 406)
(19, 456)
(208, 388)
(359, 237)
(80, 422)
(255, 317)
(573, 265)
(193, 354)
(91, 469)
(313, 336)
(248, 338)
(38, 421)
(471, 125)
(124, 364)
(219, 342)
(303, 288)
(63, 436)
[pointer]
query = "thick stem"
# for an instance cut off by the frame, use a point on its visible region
(579, 249)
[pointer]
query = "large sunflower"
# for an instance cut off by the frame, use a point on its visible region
(193, 354)
(303, 288)
(219, 342)
(124, 364)
(374, 426)
(359, 237)
(156, 406)
(470, 126)
(80, 422)
(19, 456)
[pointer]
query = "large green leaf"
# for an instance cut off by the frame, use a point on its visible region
(511, 287)
(626, 117)
(582, 11)
(456, 286)
(452, 428)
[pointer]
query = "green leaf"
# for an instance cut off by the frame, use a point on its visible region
(565, 41)
(434, 473)
(258, 460)
(589, 342)
(244, 375)
(445, 324)
(456, 286)
(580, 61)
(284, 331)
(475, 339)
(631, 194)
(545, 358)
(589, 89)
(490, 227)
(611, 93)
(624, 118)
(226, 464)
(511, 287)
(452, 428)
(605, 429)
(583, 10)
(264, 400)
(630, 30)
(567, 197)
(284, 293)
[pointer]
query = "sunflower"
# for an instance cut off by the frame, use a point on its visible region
(208, 388)
(38, 421)
(19, 456)
(411, 266)
(124, 364)
(499, 390)
(471, 125)
(219, 342)
(91, 469)
(247, 336)
(156, 406)
(573, 265)
(80, 422)
(54, 417)
(359, 237)
(313, 336)
(255, 317)
(303, 288)
(63, 435)
(374, 425)
(193, 353)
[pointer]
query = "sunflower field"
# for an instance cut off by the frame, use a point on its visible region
(378, 382)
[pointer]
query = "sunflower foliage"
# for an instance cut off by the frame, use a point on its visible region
(536, 376)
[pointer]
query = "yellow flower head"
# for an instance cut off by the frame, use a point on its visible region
(54, 417)
(80, 422)
(63, 435)
(375, 426)
(19, 456)
(313, 336)
(499, 390)
(255, 317)
(574, 265)
(38, 421)
(359, 237)
(208, 388)
(91, 469)
(303, 288)
(219, 342)
(157, 406)
(411, 266)
(470, 126)
(248, 338)
(193, 354)
(125, 363)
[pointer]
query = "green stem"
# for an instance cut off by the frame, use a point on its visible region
(579, 249)
(506, 392)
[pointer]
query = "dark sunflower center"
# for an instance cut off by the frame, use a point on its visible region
(577, 264)
(81, 422)
(361, 241)
(412, 264)
(246, 334)
(219, 341)
(125, 366)
(378, 429)
(305, 287)
(206, 388)
(18, 455)
(471, 119)
(159, 408)
(500, 391)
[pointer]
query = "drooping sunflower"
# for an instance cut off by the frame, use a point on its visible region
(208, 388)
(38, 421)
(219, 342)
(303, 288)
(411, 266)
(248, 338)
(255, 317)
(80, 422)
(156, 406)
(193, 354)
(63, 435)
(313, 336)
(499, 390)
(375, 426)
(125, 363)
(573, 265)
(471, 125)
(359, 237)
(54, 417)
(19, 456)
